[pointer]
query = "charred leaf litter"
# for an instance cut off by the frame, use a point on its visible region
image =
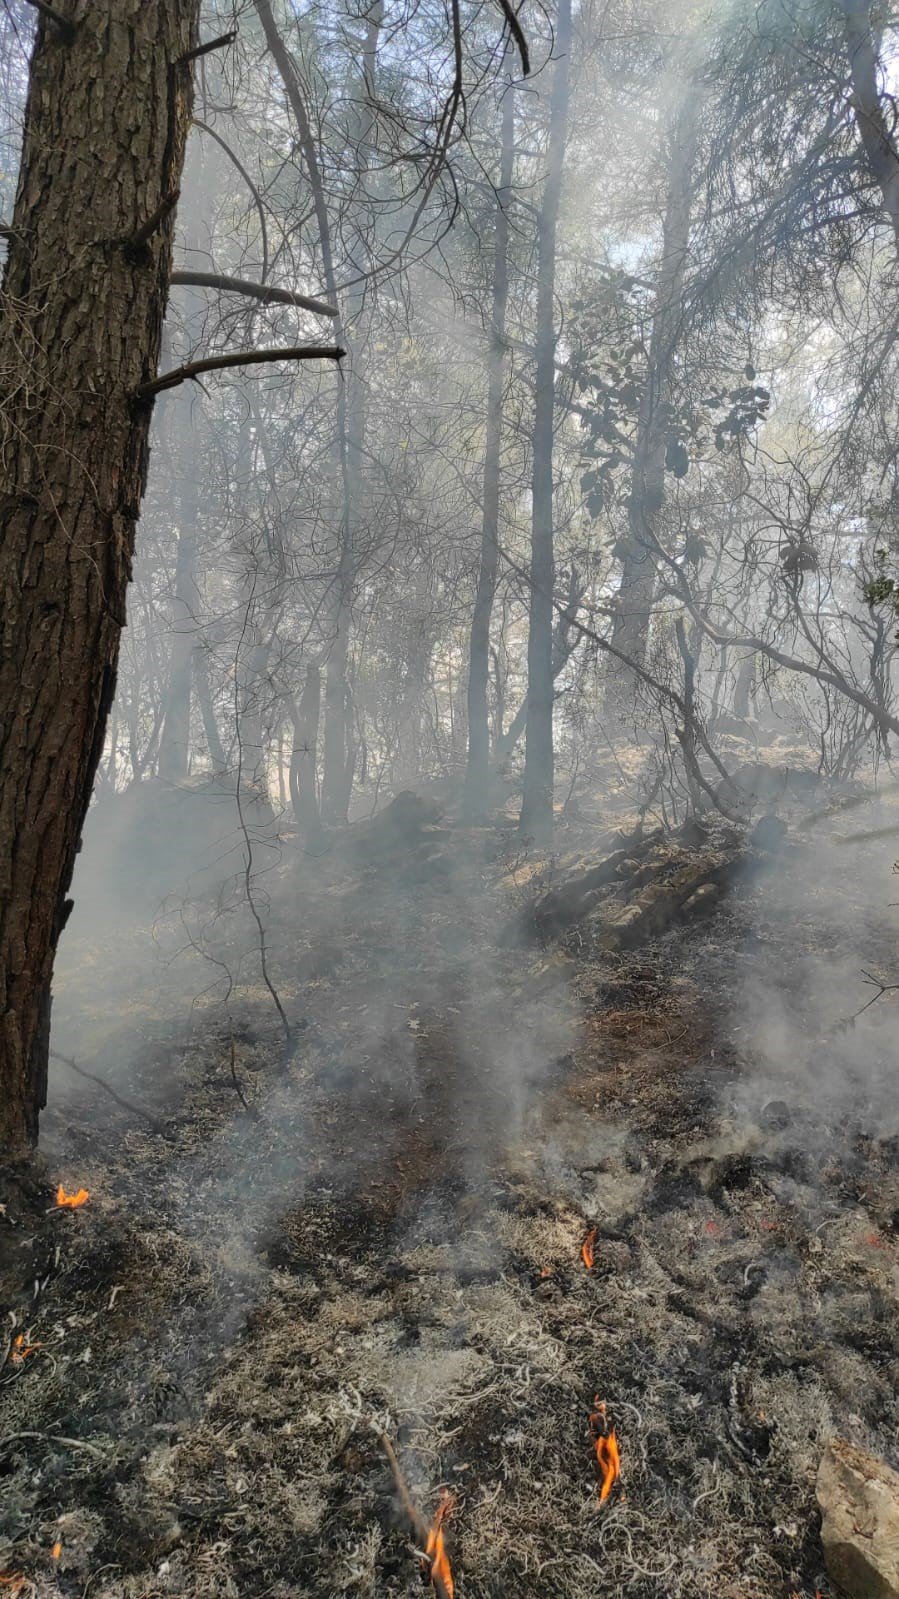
(382, 1234)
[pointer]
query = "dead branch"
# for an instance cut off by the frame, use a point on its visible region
(237, 1088)
(148, 228)
(266, 292)
(419, 1525)
(239, 166)
(221, 43)
(517, 33)
(113, 1093)
(235, 358)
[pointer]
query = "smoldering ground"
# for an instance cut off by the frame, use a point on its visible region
(389, 1237)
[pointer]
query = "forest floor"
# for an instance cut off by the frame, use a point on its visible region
(381, 1231)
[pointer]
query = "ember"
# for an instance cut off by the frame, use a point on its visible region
(605, 1444)
(588, 1255)
(20, 1351)
(66, 1201)
(439, 1570)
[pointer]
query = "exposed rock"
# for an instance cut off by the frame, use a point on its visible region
(573, 899)
(660, 903)
(859, 1499)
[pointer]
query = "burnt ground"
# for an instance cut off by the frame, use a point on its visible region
(380, 1228)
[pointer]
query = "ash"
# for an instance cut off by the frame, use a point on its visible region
(380, 1231)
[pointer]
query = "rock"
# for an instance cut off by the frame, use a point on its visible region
(704, 900)
(859, 1499)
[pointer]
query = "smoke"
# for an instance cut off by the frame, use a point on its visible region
(814, 1030)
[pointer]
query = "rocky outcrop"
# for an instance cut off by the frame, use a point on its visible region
(859, 1499)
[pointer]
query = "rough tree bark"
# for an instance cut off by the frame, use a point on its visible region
(477, 779)
(536, 818)
(83, 299)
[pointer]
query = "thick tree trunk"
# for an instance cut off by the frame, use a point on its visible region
(84, 297)
(477, 780)
(536, 818)
(630, 629)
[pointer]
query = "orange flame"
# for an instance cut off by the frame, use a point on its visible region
(71, 1201)
(20, 1351)
(588, 1254)
(439, 1569)
(56, 1551)
(605, 1446)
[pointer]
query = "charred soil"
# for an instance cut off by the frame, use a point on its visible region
(380, 1231)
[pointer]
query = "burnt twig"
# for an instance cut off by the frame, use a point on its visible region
(237, 1088)
(419, 1526)
(126, 1104)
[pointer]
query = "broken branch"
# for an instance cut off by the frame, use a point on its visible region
(148, 228)
(221, 43)
(266, 292)
(216, 363)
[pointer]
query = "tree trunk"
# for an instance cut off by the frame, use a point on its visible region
(305, 720)
(105, 130)
(350, 410)
(207, 711)
(536, 818)
(477, 781)
(630, 629)
(174, 745)
(874, 129)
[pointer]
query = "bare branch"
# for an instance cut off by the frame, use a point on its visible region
(267, 293)
(216, 363)
(517, 33)
(221, 43)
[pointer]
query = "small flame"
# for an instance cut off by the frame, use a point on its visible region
(605, 1445)
(438, 1568)
(20, 1351)
(588, 1254)
(71, 1201)
(56, 1551)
